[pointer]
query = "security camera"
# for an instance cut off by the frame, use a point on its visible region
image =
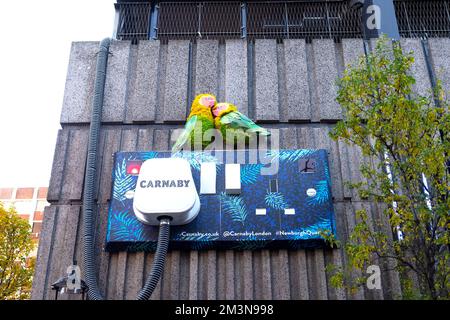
(356, 4)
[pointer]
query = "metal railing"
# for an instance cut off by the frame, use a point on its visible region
(133, 19)
(423, 19)
(166, 20)
(199, 20)
(308, 20)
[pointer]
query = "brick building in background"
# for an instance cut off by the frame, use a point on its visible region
(29, 204)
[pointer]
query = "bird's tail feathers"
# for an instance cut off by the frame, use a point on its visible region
(259, 130)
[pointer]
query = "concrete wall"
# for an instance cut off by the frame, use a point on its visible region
(289, 85)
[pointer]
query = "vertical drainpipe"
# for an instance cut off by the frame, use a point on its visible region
(244, 20)
(153, 23)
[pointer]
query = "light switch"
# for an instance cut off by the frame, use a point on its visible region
(233, 178)
(260, 212)
(208, 178)
(289, 212)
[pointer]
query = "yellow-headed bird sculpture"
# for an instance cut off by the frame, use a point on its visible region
(228, 120)
(198, 122)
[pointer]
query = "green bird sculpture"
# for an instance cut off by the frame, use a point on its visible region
(231, 123)
(200, 120)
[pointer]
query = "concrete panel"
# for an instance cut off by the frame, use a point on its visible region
(59, 160)
(440, 52)
(144, 83)
(298, 275)
(298, 98)
(193, 276)
(111, 145)
(211, 275)
(263, 275)
(326, 74)
(236, 74)
(281, 272)
(316, 274)
(419, 68)
(44, 253)
(207, 67)
(176, 82)
(116, 85)
(266, 77)
(352, 51)
(64, 245)
(79, 88)
(323, 141)
(72, 185)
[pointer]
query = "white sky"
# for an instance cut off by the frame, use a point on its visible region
(35, 39)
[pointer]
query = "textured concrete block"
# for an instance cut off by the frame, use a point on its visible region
(176, 82)
(353, 50)
(323, 141)
(262, 275)
(145, 139)
(236, 74)
(288, 138)
(317, 280)
(266, 87)
(207, 67)
(211, 275)
(43, 254)
(59, 160)
(298, 275)
(247, 275)
(440, 52)
(281, 270)
(351, 160)
(111, 143)
(144, 83)
(193, 275)
(116, 85)
(326, 74)
(129, 140)
(72, 185)
(79, 88)
(62, 253)
(419, 68)
(298, 98)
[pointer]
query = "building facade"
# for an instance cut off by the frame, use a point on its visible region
(281, 71)
(30, 204)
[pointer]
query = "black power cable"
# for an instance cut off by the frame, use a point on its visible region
(158, 262)
(89, 206)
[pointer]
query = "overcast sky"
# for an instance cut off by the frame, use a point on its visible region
(34, 51)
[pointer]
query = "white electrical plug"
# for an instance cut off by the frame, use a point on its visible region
(165, 188)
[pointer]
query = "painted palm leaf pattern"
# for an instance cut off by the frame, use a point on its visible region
(142, 246)
(196, 158)
(276, 201)
(290, 155)
(311, 232)
(126, 227)
(323, 193)
(122, 181)
(149, 155)
(250, 173)
(234, 206)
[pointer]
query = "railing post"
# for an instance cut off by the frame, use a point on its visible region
(244, 20)
(153, 24)
(378, 17)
